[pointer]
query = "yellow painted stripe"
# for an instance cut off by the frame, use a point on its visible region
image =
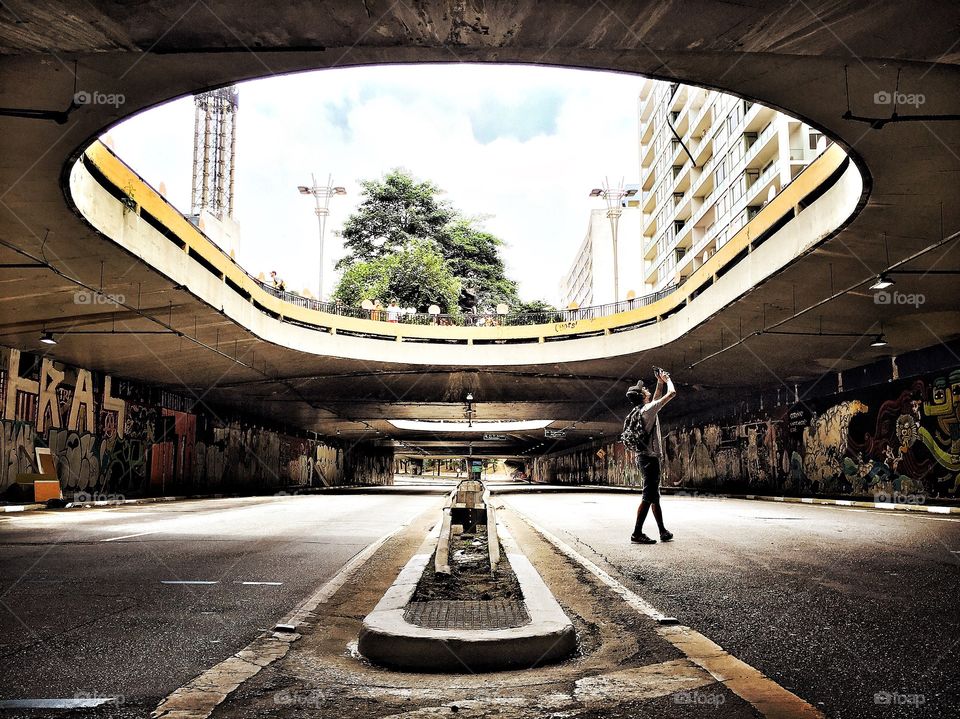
(147, 198)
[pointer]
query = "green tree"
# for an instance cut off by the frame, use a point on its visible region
(398, 210)
(395, 211)
(416, 275)
(474, 258)
(533, 312)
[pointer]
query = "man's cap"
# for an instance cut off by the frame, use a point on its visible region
(638, 388)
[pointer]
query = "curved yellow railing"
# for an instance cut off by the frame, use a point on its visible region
(140, 196)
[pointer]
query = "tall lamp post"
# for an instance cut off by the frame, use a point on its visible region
(614, 198)
(324, 193)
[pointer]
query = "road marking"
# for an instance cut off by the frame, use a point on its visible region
(762, 693)
(187, 581)
(204, 693)
(130, 536)
(258, 584)
(71, 703)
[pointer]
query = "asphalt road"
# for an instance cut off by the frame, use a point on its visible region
(849, 609)
(89, 607)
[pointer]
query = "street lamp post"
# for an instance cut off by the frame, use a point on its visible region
(322, 192)
(614, 198)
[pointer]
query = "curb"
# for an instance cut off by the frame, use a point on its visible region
(767, 697)
(22, 507)
(108, 502)
(344, 489)
(698, 494)
(386, 638)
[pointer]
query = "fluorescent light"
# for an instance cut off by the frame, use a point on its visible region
(882, 283)
(462, 426)
(47, 338)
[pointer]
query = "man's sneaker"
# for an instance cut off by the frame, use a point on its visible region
(666, 536)
(642, 539)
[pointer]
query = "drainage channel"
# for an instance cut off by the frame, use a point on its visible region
(468, 598)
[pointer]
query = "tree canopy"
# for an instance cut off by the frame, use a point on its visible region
(403, 220)
(396, 210)
(416, 276)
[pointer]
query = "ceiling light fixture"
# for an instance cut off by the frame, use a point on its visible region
(882, 283)
(879, 341)
(47, 337)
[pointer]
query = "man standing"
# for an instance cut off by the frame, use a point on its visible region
(641, 435)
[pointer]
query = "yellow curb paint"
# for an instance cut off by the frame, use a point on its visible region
(762, 693)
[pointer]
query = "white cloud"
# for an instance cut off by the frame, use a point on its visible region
(358, 123)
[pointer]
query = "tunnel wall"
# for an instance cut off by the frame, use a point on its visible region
(885, 437)
(113, 437)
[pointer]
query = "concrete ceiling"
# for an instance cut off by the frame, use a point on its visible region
(822, 61)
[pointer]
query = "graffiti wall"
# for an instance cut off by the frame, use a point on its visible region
(899, 440)
(115, 437)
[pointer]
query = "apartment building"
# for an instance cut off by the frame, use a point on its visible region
(708, 163)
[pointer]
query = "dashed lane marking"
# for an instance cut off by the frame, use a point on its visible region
(198, 698)
(130, 536)
(188, 581)
(261, 584)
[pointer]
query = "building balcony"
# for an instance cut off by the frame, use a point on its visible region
(762, 148)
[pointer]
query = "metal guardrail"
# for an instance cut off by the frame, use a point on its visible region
(465, 319)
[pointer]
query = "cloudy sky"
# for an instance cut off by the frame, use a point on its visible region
(518, 146)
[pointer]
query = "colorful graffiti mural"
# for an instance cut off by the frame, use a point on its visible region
(123, 438)
(895, 440)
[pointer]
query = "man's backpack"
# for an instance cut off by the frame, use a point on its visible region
(635, 436)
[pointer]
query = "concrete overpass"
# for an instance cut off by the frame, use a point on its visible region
(781, 314)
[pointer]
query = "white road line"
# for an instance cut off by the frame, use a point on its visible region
(71, 703)
(766, 696)
(258, 584)
(130, 536)
(208, 690)
(187, 581)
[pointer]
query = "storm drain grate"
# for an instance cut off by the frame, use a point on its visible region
(453, 614)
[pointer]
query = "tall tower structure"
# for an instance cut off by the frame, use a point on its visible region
(214, 152)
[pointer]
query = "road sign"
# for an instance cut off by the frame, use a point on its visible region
(495, 437)
(554, 433)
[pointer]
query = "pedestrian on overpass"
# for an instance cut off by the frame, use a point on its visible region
(641, 435)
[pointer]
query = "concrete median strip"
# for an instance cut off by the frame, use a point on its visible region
(387, 638)
(764, 694)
